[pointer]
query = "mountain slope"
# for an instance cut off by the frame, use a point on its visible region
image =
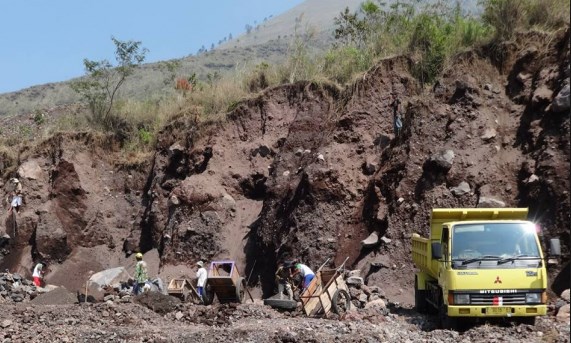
(152, 81)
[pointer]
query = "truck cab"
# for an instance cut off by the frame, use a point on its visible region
(480, 263)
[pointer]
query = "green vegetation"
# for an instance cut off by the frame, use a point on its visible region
(509, 16)
(99, 89)
(429, 35)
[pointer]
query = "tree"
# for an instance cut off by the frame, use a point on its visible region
(102, 82)
(248, 28)
(230, 36)
(349, 28)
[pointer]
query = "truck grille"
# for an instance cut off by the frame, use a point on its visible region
(496, 299)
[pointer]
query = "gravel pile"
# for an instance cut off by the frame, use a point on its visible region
(14, 288)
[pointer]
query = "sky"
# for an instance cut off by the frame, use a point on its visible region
(43, 41)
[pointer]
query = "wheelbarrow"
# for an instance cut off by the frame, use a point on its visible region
(225, 283)
(326, 292)
(183, 289)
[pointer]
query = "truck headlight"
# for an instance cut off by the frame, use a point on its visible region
(533, 298)
(461, 299)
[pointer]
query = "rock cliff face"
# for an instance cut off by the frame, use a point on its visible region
(309, 171)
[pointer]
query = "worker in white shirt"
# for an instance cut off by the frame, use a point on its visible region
(201, 275)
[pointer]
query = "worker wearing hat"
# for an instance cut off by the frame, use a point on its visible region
(201, 275)
(141, 275)
(17, 186)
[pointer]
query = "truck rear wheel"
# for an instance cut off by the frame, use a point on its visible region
(420, 303)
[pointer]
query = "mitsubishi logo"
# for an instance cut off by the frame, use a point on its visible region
(498, 280)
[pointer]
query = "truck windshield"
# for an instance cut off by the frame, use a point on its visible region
(503, 242)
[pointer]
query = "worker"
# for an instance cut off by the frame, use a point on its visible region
(17, 185)
(38, 274)
(283, 279)
(397, 115)
(15, 202)
(201, 275)
(141, 275)
(306, 273)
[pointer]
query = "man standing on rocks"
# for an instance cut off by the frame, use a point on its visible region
(201, 275)
(141, 275)
(38, 274)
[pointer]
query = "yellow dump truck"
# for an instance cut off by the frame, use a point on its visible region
(481, 263)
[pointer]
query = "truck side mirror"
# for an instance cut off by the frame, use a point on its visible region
(554, 247)
(436, 250)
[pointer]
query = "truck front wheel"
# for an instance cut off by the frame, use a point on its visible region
(419, 298)
(526, 320)
(446, 322)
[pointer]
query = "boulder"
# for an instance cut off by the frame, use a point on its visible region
(355, 281)
(386, 240)
(371, 241)
(561, 103)
(442, 160)
(489, 134)
(532, 179)
(378, 303)
(542, 95)
(565, 295)
(30, 170)
(356, 272)
(98, 281)
(264, 150)
(486, 202)
(563, 313)
(462, 189)
(466, 83)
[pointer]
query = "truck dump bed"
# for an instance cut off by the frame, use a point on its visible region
(421, 253)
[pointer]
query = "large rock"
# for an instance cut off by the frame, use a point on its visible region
(30, 170)
(486, 202)
(542, 95)
(466, 83)
(109, 277)
(565, 295)
(355, 281)
(561, 103)
(489, 134)
(442, 160)
(371, 241)
(563, 313)
(462, 189)
(379, 303)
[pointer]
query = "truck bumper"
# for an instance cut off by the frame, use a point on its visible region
(497, 311)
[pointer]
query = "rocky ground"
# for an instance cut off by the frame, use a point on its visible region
(58, 315)
(109, 322)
